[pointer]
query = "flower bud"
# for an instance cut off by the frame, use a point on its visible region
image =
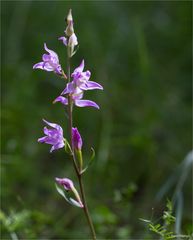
(69, 186)
(76, 139)
(70, 29)
(69, 17)
(66, 183)
(72, 42)
(77, 144)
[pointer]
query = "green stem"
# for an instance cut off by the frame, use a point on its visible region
(85, 208)
(86, 211)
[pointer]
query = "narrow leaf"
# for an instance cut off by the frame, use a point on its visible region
(90, 161)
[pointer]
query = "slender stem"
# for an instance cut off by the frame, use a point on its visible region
(86, 211)
(85, 208)
(70, 116)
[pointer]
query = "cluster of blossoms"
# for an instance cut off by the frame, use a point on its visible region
(78, 82)
(77, 86)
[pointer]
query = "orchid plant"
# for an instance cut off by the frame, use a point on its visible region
(76, 83)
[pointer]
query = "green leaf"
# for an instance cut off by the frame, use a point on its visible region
(169, 205)
(90, 161)
(65, 195)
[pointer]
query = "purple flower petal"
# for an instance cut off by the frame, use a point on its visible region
(65, 182)
(76, 139)
(90, 85)
(61, 99)
(82, 76)
(48, 67)
(86, 103)
(50, 140)
(42, 139)
(39, 65)
(53, 136)
(88, 74)
(58, 70)
(54, 125)
(69, 88)
(51, 132)
(52, 53)
(57, 146)
(45, 57)
(65, 91)
(77, 94)
(79, 69)
(72, 40)
(50, 62)
(64, 40)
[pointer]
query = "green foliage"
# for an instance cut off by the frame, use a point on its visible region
(164, 229)
(104, 219)
(25, 223)
(167, 215)
(14, 221)
(160, 230)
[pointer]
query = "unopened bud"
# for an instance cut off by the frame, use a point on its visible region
(69, 17)
(69, 186)
(72, 42)
(76, 139)
(77, 144)
(70, 29)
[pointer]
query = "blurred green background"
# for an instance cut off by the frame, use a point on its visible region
(141, 53)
